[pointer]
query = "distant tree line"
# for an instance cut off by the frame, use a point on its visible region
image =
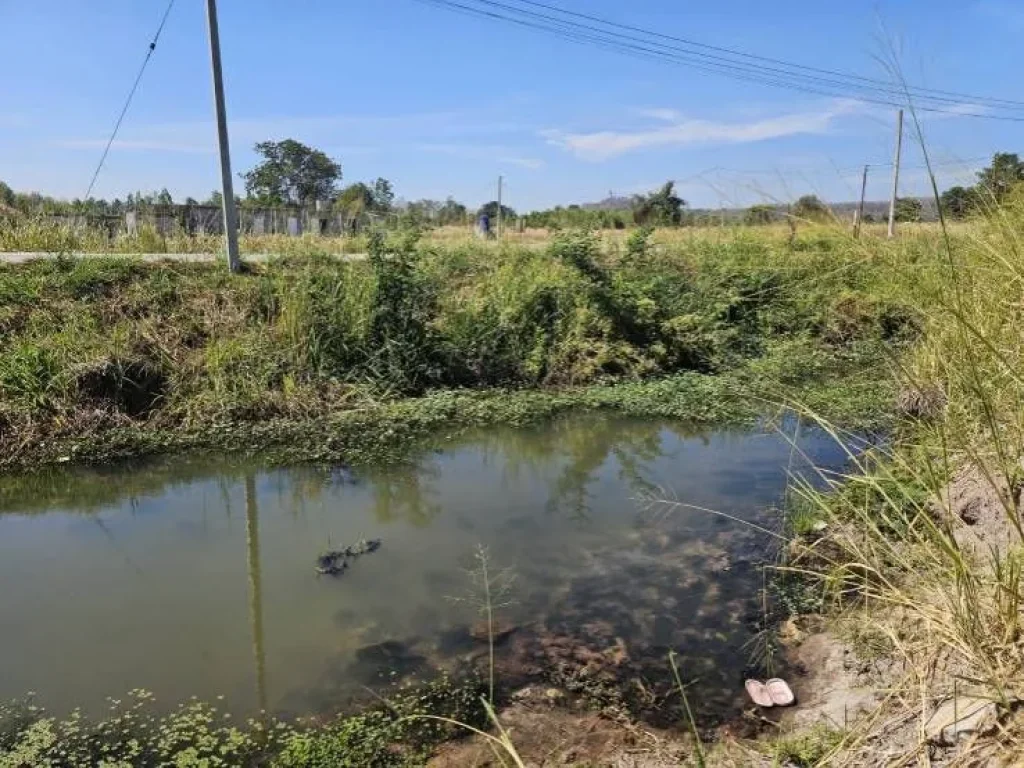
(662, 207)
(289, 173)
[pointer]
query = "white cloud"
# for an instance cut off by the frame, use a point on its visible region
(668, 115)
(601, 145)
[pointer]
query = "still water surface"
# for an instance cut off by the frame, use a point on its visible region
(196, 577)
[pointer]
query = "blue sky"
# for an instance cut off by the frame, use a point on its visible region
(441, 103)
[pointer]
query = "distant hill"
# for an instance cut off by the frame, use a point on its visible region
(611, 203)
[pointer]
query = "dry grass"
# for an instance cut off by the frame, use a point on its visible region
(945, 591)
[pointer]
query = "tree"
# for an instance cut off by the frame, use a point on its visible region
(958, 202)
(491, 211)
(757, 215)
(908, 209)
(6, 195)
(292, 173)
(811, 208)
(216, 198)
(355, 200)
(1005, 172)
(662, 207)
(383, 196)
(164, 197)
(451, 212)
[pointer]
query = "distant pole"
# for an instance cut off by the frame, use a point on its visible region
(896, 174)
(860, 208)
(227, 188)
(500, 180)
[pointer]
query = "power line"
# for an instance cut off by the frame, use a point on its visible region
(630, 45)
(789, 70)
(754, 57)
(131, 95)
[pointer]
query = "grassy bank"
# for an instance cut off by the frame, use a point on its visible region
(914, 557)
(313, 358)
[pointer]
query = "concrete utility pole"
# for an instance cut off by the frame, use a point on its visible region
(860, 209)
(500, 180)
(896, 174)
(227, 188)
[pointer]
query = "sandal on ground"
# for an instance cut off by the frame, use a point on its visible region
(780, 692)
(759, 693)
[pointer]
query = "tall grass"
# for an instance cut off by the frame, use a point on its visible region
(944, 597)
(304, 336)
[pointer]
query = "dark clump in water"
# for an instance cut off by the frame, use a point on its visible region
(335, 562)
(192, 577)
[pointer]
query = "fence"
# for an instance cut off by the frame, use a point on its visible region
(209, 220)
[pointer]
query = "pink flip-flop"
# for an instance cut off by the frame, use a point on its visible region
(780, 692)
(759, 693)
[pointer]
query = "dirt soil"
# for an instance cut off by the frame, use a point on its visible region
(548, 732)
(835, 688)
(981, 509)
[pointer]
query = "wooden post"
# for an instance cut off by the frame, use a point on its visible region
(896, 174)
(860, 209)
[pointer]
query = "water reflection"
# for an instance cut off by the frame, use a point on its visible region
(142, 566)
(252, 560)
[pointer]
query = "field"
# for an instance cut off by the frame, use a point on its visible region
(302, 356)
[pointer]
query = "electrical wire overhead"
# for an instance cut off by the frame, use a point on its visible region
(131, 95)
(735, 64)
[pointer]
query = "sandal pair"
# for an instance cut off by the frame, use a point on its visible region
(772, 693)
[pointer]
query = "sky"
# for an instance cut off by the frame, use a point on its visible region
(442, 103)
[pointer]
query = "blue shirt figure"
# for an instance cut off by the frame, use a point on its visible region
(485, 225)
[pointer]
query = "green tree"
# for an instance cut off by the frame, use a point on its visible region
(292, 173)
(811, 208)
(958, 202)
(662, 207)
(355, 200)
(451, 212)
(760, 214)
(908, 209)
(6, 195)
(491, 211)
(164, 197)
(1005, 172)
(216, 198)
(383, 196)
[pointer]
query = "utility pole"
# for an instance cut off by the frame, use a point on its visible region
(227, 188)
(896, 174)
(860, 209)
(500, 180)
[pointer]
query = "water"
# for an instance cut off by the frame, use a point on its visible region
(196, 577)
